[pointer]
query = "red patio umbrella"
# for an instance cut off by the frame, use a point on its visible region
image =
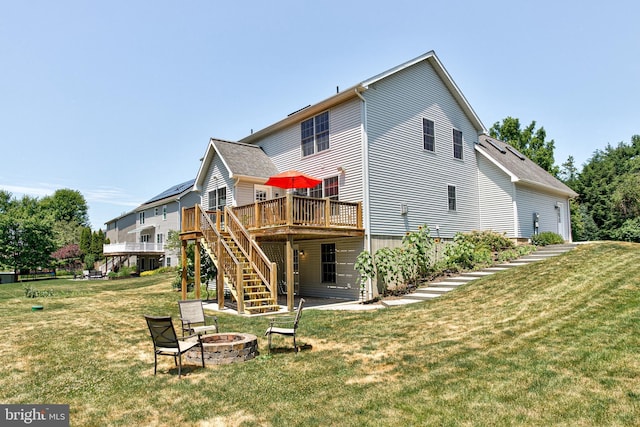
(292, 179)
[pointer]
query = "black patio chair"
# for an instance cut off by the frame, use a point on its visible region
(285, 325)
(166, 342)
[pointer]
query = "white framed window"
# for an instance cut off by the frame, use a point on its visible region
(159, 238)
(141, 217)
(144, 238)
(451, 196)
(457, 144)
(327, 188)
(164, 212)
(314, 134)
(428, 135)
(261, 193)
(218, 199)
(155, 211)
(331, 187)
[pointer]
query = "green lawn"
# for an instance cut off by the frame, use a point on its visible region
(552, 343)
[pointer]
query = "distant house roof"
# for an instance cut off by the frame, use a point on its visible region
(241, 160)
(519, 167)
(354, 91)
(173, 191)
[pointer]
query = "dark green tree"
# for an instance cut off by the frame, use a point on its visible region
(97, 240)
(529, 141)
(608, 190)
(26, 234)
(85, 240)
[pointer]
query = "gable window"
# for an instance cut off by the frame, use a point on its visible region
(314, 134)
(141, 217)
(457, 144)
(328, 260)
(428, 135)
(218, 199)
(451, 192)
(164, 212)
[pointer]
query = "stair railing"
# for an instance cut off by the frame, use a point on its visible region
(227, 261)
(262, 265)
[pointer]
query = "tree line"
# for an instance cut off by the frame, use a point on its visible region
(46, 233)
(608, 185)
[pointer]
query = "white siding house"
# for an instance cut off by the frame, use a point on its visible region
(408, 146)
(139, 237)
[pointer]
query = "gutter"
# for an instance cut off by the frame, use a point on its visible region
(365, 184)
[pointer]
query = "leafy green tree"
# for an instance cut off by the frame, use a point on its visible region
(529, 141)
(26, 234)
(68, 206)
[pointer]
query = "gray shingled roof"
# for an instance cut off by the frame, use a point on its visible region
(520, 166)
(244, 159)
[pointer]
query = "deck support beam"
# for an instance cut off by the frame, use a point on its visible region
(290, 279)
(183, 257)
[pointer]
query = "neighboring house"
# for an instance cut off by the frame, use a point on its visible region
(397, 151)
(138, 237)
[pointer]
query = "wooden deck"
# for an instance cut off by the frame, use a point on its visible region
(231, 237)
(302, 217)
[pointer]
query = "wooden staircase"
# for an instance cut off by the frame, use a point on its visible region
(257, 298)
(246, 271)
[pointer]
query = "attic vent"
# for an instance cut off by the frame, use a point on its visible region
(496, 146)
(515, 152)
(297, 111)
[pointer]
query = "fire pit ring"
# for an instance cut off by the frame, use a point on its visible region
(225, 348)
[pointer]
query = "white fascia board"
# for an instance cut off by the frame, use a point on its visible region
(204, 166)
(513, 177)
(304, 114)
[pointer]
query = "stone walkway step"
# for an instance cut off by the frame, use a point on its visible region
(436, 289)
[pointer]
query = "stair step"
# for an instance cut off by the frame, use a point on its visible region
(262, 308)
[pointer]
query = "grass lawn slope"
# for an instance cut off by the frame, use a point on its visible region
(555, 342)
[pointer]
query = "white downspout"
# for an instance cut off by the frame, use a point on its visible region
(370, 292)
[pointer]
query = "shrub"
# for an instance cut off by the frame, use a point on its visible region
(546, 238)
(364, 265)
(31, 292)
(629, 231)
(525, 249)
(459, 255)
(490, 239)
(508, 255)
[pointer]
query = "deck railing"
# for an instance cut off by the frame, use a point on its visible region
(300, 210)
(128, 247)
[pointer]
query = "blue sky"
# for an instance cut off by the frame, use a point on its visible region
(118, 99)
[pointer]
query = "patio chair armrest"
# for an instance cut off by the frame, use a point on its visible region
(191, 336)
(281, 320)
(214, 319)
